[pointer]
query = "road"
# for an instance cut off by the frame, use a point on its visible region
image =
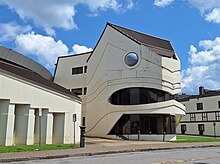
(184, 156)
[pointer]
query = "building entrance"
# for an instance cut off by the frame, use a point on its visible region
(144, 124)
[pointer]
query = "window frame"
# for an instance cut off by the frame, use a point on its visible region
(183, 127)
(77, 70)
(85, 69)
(217, 116)
(75, 91)
(192, 117)
(85, 90)
(199, 106)
(204, 116)
(201, 127)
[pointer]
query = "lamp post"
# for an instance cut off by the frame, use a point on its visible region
(214, 125)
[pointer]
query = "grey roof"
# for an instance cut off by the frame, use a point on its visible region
(15, 57)
(33, 77)
(144, 39)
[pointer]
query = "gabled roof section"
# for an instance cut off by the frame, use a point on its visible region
(140, 38)
(144, 39)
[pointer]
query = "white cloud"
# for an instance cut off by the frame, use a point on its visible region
(10, 30)
(101, 4)
(162, 3)
(51, 14)
(44, 48)
(205, 5)
(209, 9)
(77, 49)
(213, 16)
(204, 67)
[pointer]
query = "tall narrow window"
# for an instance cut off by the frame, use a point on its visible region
(192, 117)
(77, 70)
(201, 129)
(199, 106)
(218, 104)
(85, 91)
(183, 128)
(85, 69)
(204, 116)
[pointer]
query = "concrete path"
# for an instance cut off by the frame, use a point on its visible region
(98, 146)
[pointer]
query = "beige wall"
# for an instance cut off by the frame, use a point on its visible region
(63, 74)
(20, 101)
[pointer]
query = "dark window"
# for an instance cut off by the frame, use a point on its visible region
(199, 106)
(183, 128)
(85, 91)
(77, 70)
(83, 121)
(217, 116)
(201, 127)
(77, 91)
(135, 96)
(204, 116)
(85, 69)
(218, 104)
(192, 117)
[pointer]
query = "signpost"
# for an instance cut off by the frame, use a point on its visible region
(74, 124)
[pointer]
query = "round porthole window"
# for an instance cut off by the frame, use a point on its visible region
(131, 59)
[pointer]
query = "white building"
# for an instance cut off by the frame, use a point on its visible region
(203, 114)
(26, 91)
(126, 84)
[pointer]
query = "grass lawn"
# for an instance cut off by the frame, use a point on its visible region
(196, 139)
(23, 148)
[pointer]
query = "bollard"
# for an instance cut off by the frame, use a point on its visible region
(139, 134)
(82, 136)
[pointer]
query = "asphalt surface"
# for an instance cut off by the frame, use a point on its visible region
(186, 156)
(98, 146)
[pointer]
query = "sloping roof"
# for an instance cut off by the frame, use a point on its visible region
(35, 78)
(140, 38)
(144, 38)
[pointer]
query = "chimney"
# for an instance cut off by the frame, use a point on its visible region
(201, 90)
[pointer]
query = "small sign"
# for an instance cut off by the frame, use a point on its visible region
(74, 117)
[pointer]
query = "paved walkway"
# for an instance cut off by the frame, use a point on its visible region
(97, 146)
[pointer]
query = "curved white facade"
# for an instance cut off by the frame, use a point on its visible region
(108, 73)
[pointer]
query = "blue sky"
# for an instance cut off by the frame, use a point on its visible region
(45, 29)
